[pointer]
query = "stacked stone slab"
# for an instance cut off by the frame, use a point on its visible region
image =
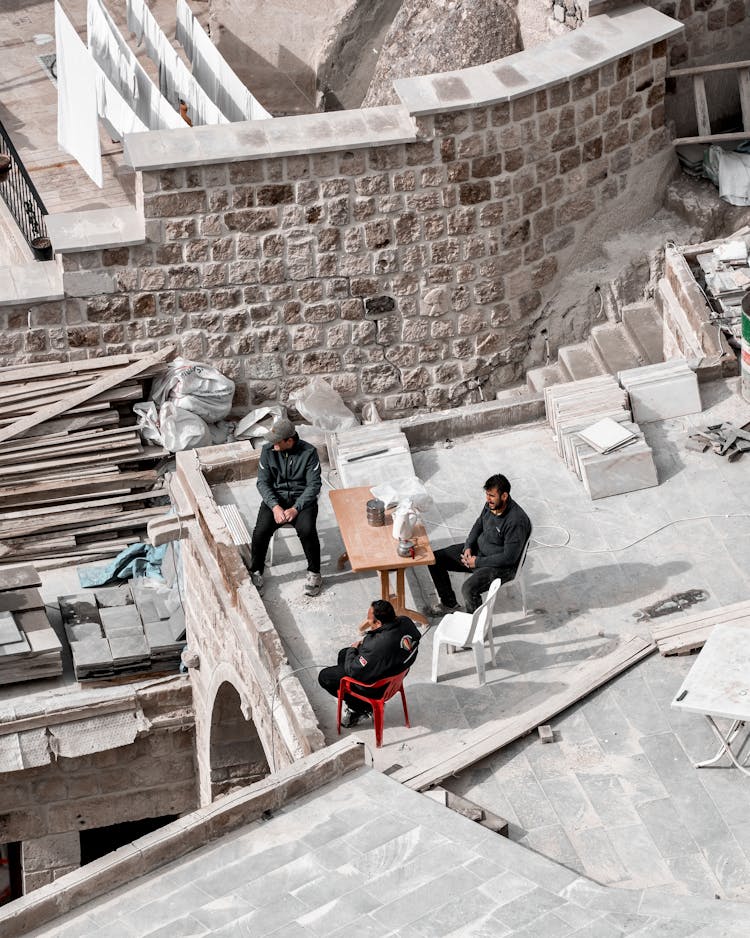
(29, 646)
(118, 631)
(575, 406)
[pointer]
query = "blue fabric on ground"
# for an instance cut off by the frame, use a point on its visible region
(136, 560)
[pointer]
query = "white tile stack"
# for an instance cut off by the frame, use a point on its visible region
(370, 455)
(658, 392)
(607, 468)
(29, 646)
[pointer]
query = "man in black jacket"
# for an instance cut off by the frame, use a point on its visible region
(289, 484)
(492, 549)
(389, 646)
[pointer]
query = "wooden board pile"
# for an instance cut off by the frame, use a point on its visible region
(575, 407)
(76, 482)
(29, 646)
(689, 633)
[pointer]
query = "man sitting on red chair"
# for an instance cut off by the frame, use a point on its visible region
(388, 647)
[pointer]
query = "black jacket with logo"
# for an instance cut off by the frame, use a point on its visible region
(291, 478)
(498, 540)
(384, 652)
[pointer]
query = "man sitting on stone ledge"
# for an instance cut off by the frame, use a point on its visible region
(289, 484)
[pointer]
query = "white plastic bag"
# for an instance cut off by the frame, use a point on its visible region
(324, 407)
(198, 388)
(400, 490)
(181, 429)
(257, 423)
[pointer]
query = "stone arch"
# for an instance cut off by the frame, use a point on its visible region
(236, 755)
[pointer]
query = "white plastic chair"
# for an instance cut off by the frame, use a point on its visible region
(520, 577)
(463, 628)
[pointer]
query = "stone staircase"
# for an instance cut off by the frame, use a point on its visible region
(611, 347)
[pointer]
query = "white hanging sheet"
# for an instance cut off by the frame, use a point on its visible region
(119, 63)
(77, 124)
(118, 116)
(212, 72)
(175, 81)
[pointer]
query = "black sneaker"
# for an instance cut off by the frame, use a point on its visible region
(351, 718)
(441, 609)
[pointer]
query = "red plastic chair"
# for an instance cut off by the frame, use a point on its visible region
(393, 685)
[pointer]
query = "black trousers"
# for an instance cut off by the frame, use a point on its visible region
(329, 679)
(449, 559)
(303, 524)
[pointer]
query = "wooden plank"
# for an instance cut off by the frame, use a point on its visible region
(33, 492)
(63, 519)
(69, 424)
(66, 446)
(495, 734)
(712, 138)
(116, 454)
(127, 392)
(15, 373)
(81, 396)
(30, 513)
(743, 79)
(23, 392)
(703, 69)
(701, 106)
(106, 520)
(675, 627)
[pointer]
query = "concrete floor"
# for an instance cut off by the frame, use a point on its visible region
(616, 796)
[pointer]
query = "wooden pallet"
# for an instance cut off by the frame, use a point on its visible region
(689, 633)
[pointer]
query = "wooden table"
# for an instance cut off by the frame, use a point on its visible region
(718, 685)
(369, 548)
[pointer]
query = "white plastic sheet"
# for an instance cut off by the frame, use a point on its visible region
(324, 407)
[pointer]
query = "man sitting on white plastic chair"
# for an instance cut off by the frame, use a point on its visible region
(493, 549)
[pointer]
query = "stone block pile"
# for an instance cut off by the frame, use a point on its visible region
(29, 646)
(122, 630)
(576, 406)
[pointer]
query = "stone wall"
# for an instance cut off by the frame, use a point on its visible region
(152, 777)
(234, 639)
(405, 253)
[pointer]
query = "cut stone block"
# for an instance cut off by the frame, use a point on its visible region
(79, 607)
(129, 648)
(92, 654)
(577, 362)
(160, 639)
(9, 632)
(646, 330)
(120, 595)
(80, 631)
(177, 625)
(19, 577)
(115, 618)
(611, 345)
(626, 470)
(148, 611)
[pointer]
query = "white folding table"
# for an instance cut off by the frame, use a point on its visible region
(718, 685)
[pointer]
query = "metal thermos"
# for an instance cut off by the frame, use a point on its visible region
(375, 513)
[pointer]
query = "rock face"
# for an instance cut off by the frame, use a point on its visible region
(430, 36)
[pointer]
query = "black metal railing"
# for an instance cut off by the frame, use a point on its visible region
(20, 195)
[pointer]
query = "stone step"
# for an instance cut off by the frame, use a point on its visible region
(645, 329)
(609, 343)
(540, 378)
(578, 362)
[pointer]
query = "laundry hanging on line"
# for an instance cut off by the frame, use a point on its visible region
(84, 95)
(212, 72)
(175, 81)
(118, 62)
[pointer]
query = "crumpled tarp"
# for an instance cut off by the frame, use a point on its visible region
(730, 171)
(136, 560)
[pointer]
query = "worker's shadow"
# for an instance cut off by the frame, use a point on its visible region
(553, 602)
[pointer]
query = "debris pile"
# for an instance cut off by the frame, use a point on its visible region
(724, 277)
(725, 439)
(76, 482)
